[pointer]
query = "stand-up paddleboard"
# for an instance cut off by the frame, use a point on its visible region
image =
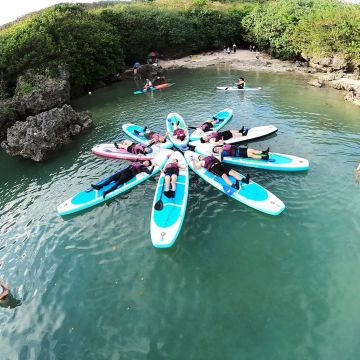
(234, 88)
(168, 217)
(112, 152)
(171, 119)
(90, 197)
(251, 194)
(129, 130)
(253, 133)
(224, 116)
(279, 162)
(156, 87)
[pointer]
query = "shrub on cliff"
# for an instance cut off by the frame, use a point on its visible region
(63, 34)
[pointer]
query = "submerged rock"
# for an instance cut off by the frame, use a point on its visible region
(40, 135)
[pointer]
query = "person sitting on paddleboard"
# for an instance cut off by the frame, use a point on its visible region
(171, 172)
(152, 136)
(125, 175)
(179, 133)
(133, 148)
(212, 164)
(241, 152)
(241, 83)
(148, 85)
(219, 136)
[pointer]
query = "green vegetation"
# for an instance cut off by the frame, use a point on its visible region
(98, 40)
(287, 28)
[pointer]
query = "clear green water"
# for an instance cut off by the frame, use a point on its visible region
(238, 284)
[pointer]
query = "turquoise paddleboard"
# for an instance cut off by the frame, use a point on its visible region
(167, 222)
(129, 130)
(224, 116)
(90, 197)
(171, 119)
(252, 194)
(278, 162)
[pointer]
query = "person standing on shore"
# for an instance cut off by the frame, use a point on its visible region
(234, 48)
(228, 50)
(257, 55)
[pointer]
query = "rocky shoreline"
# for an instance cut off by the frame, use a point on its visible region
(332, 71)
(38, 119)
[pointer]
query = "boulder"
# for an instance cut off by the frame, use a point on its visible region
(353, 97)
(316, 82)
(40, 135)
(150, 71)
(36, 93)
(8, 116)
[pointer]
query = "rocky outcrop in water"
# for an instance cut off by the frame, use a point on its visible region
(8, 116)
(36, 93)
(40, 135)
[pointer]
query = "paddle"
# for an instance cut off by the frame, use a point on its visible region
(159, 204)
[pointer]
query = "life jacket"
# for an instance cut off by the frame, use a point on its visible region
(136, 149)
(137, 167)
(178, 132)
(210, 161)
(229, 150)
(214, 135)
(172, 165)
(154, 136)
(206, 126)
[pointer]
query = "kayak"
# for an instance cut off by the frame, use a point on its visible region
(171, 119)
(279, 162)
(166, 222)
(129, 130)
(253, 133)
(252, 194)
(91, 197)
(224, 116)
(156, 87)
(111, 152)
(234, 88)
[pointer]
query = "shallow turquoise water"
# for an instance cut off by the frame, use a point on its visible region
(238, 284)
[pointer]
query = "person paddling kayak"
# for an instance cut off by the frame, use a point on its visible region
(152, 136)
(125, 175)
(241, 83)
(212, 164)
(219, 136)
(171, 172)
(242, 152)
(133, 148)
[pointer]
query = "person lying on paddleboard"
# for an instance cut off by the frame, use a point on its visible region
(125, 175)
(178, 132)
(241, 83)
(212, 164)
(152, 136)
(133, 148)
(148, 85)
(241, 152)
(171, 172)
(219, 136)
(209, 124)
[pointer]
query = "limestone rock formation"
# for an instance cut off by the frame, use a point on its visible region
(40, 135)
(36, 93)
